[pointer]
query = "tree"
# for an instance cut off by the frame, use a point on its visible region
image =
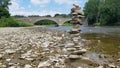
(57, 15)
(5, 3)
(91, 10)
(4, 8)
(19, 16)
(63, 15)
(110, 12)
(34, 16)
(48, 16)
(4, 12)
(105, 12)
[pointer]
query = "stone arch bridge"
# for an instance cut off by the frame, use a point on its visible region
(59, 21)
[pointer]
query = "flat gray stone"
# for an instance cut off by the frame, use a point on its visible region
(10, 51)
(1, 55)
(70, 49)
(79, 52)
(74, 57)
(28, 66)
(69, 44)
(111, 66)
(44, 64)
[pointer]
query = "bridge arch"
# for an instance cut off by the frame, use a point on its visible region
(59, 21)
(46, 22)
(66, 22)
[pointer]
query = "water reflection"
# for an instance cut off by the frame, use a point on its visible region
(104, 43)
(103, 39)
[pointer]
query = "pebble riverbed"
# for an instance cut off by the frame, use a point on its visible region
(38, 47)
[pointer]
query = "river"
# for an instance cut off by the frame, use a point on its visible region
(105, 39)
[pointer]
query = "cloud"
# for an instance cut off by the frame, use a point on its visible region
(18, 9)
(41, 13)
(40, 2)
(64, 1)
(67, 1)
(14, 6)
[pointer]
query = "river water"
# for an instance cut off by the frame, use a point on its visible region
(104, 39)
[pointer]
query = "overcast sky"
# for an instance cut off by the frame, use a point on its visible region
(43, 7)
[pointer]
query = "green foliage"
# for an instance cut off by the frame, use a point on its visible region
(47, 16)
(4, 12)
(5, 20)
(110, 12)
(18, 16)
(96, 24)
(67, 24)
(92, 10)
(63, 15)
(46, 22)
(51, 23)
(34, 16)
(10, 22)
(107, 12)
(5, 3)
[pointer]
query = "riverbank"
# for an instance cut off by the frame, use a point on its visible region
(39, 47)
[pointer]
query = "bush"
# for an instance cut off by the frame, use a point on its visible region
(46, 22)
(96, 24)
(117, 24)
(10, 22)
(67, 23)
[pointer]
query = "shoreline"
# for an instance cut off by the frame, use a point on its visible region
(38, 47)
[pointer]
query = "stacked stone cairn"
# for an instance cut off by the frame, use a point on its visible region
(76, 52)
(77, 15)
(75, 49)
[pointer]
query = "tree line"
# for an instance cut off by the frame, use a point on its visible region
(56, 15)
(103, 12)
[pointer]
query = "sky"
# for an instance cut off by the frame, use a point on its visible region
(43, 7)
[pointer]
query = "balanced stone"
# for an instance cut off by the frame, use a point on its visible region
(71, 49)
(77, 15)
(80, 52)
(111, 66)
(77, 47)
(69, 44)
(73, 57)
(1, 55)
